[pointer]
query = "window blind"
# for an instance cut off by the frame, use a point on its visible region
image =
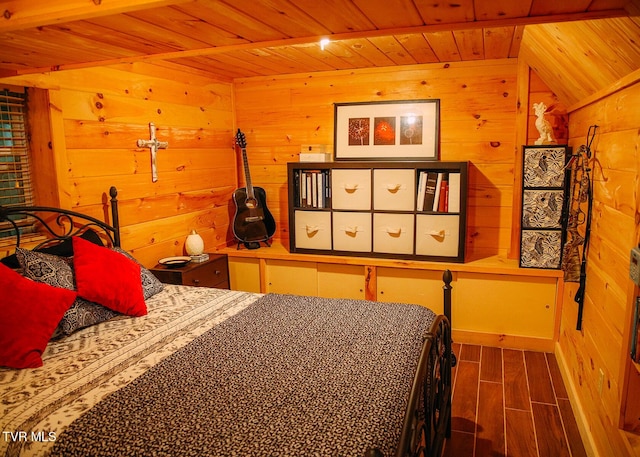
(15, 172)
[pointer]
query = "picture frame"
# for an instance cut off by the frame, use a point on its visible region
(387, 130)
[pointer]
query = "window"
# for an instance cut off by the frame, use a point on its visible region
(15, 176)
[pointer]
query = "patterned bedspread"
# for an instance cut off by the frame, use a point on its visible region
(79, 370)
(212, 372)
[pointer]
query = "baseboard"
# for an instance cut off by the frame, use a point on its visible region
(525, 343)
(576, 405)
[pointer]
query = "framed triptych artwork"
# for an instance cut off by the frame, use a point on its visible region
(389, 130)
(544, 196)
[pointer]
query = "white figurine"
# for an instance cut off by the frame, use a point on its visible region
(543, 125)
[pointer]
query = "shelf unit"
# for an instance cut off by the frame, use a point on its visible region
(544, 205)
(376, 209)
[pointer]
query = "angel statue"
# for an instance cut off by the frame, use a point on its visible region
(543, 125)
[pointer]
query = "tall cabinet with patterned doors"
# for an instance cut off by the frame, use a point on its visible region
(544, 204)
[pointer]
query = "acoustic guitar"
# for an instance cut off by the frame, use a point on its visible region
(252, 222)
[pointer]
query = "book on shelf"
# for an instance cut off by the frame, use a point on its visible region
(430, 191)
(312, 188)
(422, 184)
(438, 191)
(443, 179)
(445, 195)
(453, 197)
(436, 195)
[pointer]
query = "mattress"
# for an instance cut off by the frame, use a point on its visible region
(216, 372)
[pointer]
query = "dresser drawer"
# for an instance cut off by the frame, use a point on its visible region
(352, 231)
(351, 189)
(393, 233)
(394, 189)
(313, 229)
(214, 274)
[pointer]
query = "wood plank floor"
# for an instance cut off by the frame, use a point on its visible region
(510, 403)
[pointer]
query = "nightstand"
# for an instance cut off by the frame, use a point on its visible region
(210, 273)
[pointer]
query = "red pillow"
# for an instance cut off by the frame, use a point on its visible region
(108, 278)
(30, 313)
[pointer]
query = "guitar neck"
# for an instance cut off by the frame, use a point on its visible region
(247, 175)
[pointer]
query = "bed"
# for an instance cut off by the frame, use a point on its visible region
(158, 369)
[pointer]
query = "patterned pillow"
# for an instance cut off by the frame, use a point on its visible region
(150, 284)
(58, 272)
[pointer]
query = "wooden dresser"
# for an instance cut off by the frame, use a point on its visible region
(210, 273)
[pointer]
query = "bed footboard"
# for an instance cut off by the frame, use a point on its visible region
(428, 417)
(427, 421)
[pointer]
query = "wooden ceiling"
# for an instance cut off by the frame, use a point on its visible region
(231, 39)
(578, 60)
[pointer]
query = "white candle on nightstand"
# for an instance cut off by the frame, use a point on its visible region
(194, 245)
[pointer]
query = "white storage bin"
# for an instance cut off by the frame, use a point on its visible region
(437, 234)
(351, 189)
(313, 229)
(352, 231)
(394, 189)
(393, 233)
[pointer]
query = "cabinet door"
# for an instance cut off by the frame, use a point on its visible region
(351, 189)
(340, 281)
(244, 274)
(420, 287)
(313, 229)
(393, 233)
(498, 304)
(352, 231)
(291, 277)
(437, 235)
(394, 190)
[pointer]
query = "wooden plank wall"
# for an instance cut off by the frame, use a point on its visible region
(602, 345)
(96, 117)
(477, 123)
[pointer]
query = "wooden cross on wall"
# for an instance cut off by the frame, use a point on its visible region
(153, 144)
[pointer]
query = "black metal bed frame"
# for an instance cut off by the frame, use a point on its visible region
(66, 224)
(427, 421)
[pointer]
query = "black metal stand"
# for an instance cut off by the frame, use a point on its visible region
(253, 244)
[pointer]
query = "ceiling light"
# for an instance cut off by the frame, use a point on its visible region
(324, 42)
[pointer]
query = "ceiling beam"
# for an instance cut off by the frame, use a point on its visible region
(212, 51)
(21, 14)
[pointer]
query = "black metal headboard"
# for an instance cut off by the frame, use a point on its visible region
(67, 223)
